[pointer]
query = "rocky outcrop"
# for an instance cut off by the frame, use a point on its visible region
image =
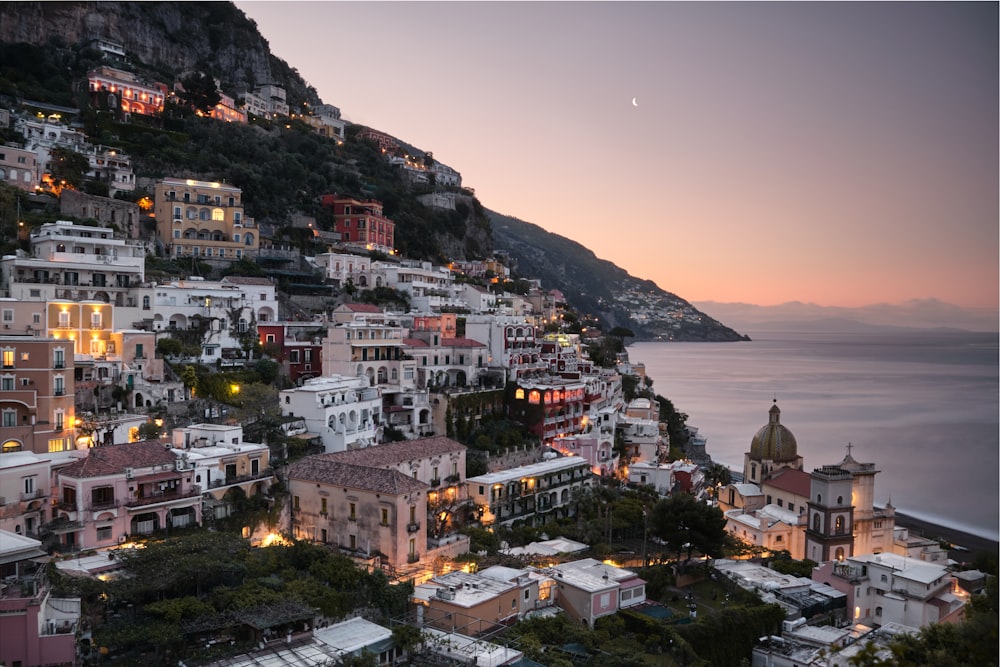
(213, 37)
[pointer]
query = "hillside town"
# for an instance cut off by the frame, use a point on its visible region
(140, 410)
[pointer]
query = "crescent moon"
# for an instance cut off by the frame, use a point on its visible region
(634, 103)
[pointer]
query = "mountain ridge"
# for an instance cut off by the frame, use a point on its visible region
(164, 40)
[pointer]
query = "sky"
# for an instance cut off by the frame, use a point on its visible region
(841, 154)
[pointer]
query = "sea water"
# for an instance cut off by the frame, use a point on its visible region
(921, 405)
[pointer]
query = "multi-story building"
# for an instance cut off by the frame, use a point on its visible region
(227, 111)
(550, 407)
(75, 262)
(430, 288)
(37, 411)
(121, 490)
(19, 168)
(326, 120)
(225, 312)
(345, 412)
(369, 347)
(446, 361)
(110, 166)
(222, 461)
(116, 89)
(37, 627)
(535, 493)
(361, 223)
(203, 219)
(889, 588)
(510, 342)
(296, 346)
(25, 483)
(343, 268)
(365, 511)
(770, 528)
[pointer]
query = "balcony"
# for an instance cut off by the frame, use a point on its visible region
(435, 482)
(34, 495)
(413, 558)
(162, 498)
(412, 527)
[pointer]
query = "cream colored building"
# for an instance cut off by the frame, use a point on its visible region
(203, 219)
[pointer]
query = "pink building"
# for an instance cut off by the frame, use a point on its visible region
(35, 628)
(597, 450)
(122, 490)
(589, 589)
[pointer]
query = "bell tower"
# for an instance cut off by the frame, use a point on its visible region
(830, 531)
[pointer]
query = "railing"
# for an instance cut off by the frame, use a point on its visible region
(413, 558)
(32, 495)
(162, 498)
(98, 505)
(412, 527)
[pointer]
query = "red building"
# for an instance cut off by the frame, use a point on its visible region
(550, 409)
(361, 222)
(298, 345)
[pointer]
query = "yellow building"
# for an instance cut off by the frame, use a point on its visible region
(203, 219)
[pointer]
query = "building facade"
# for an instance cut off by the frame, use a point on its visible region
(204, 220)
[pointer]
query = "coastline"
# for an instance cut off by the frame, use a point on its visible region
(973, 543)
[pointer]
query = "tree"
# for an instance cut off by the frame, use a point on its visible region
(149, 431)
(200, 92)
(687, 523)
(190, 379)
(68, 168)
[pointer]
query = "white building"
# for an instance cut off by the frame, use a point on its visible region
(341, 268)
(225, 311)
(889, 588)
(346, 412)
(771, 527)
(78, 262)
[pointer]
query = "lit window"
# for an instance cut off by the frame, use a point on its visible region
(218, 214)
(8, 358)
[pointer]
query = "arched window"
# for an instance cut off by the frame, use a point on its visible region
(816, 524)
(839, 554)
(519, 394)
(204, 214)
(840, 500)
(248, 239)
(839, 525)
(535, 397)
(819, 498)
(218, 214)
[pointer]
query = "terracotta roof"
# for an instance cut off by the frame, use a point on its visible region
(460, 342)
(247, 280)
(325, 471)
(362, 307)
(791, 480)
(415, 342)
(394, 453)
(113, 459)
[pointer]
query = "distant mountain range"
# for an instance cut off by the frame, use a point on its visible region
(798, 316)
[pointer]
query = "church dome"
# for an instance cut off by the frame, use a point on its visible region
(774, 442)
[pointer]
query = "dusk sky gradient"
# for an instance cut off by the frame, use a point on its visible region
(836, 153)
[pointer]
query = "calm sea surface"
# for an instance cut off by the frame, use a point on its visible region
(922, 406)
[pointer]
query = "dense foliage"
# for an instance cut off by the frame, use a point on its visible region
(168, 589)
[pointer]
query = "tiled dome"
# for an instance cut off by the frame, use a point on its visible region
(774, 442)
